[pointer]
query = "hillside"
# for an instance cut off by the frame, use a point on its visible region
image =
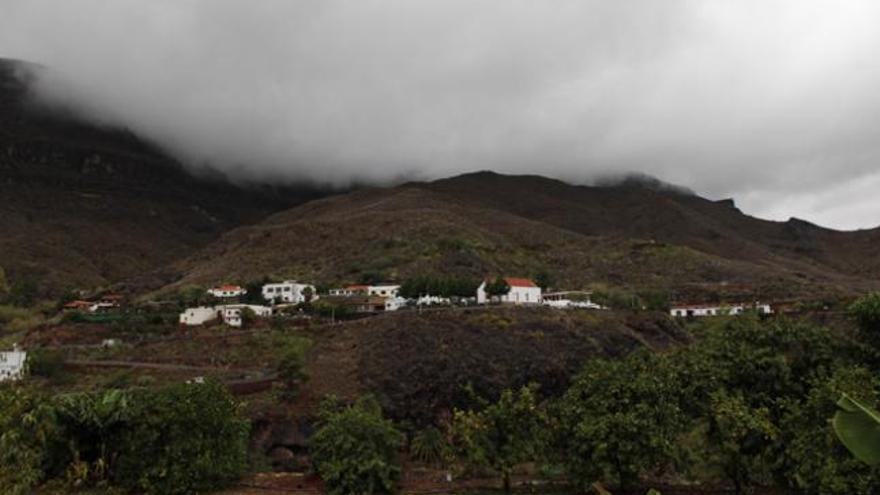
(636, 210)
(85, 206)
(486, 223)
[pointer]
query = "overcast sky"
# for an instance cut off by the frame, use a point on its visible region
(775, 103)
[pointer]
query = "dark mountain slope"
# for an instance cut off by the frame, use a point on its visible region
(82, 206)
(631, 211)
(475, 230)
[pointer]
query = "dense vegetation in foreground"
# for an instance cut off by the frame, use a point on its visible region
(747, 404)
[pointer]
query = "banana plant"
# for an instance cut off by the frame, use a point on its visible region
(858, 428)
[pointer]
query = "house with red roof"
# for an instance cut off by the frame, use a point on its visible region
(227, 290)
(522, 291)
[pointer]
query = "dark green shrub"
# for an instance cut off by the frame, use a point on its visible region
(501, 435)
(28, 434)
(355, 450)
(429, 446)
(291, 368)
(866, 311)
(185, 438)
(619, 419)
(741, 438)
(45, 363)
(816, 462)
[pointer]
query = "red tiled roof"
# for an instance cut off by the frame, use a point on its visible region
(77, 304)
(227, 287)
(519, 282)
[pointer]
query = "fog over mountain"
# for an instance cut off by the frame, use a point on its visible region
(772, 102)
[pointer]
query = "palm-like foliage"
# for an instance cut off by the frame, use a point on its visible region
(429, 446)
(858, 427)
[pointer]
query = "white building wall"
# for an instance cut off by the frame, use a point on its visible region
(482, 297)
(394, 303)
(231, 313)
(517, 295)
(735, 309)
(388, 290)
(522, 295)
(198, 316)
(227, 293)
(287, 291)
(12, 365)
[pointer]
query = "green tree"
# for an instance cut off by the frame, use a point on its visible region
(254, 294)
(618, 419)
(248, 317)
(355, 450)
(184, 438)
(438, 286)
(93, 425)
(500, 435)
(193, 295)
(497, 287)
(308, 293)
(543, 279)
(616, 299)
(429, 446)
(291, 367)
(45, 363)
(23, 293)
(816, 462)
(768, 363)
(866, 311)
(28, 432)
(741, 437)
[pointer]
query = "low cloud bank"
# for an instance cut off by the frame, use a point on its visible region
(773, 102)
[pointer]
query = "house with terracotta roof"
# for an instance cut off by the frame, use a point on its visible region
(78, 305)
(227, 290)
(522, 291)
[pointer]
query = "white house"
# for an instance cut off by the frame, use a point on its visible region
(394, 303)
(570, 299)
(522, 291)
(226, 291)
(288, 291)
(231, 313)
(199, 316)
(383, 290)
(12, 364)
(694, 310)
(429, 300)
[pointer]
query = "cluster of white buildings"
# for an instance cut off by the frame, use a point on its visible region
(230, 314)
(371, 298)
(12, 364)
(362, 298)
(700, 310)
(378, 290)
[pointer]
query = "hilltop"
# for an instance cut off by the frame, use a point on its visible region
(86, 206)
(646, 238)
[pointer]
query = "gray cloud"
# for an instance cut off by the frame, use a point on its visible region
(773, 102)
